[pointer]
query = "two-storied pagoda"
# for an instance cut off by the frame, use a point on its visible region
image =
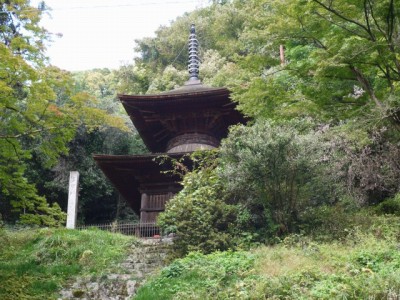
(172, 123)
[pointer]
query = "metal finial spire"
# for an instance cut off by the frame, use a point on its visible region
(194, 61)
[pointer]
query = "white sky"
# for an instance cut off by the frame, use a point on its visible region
(101, 33)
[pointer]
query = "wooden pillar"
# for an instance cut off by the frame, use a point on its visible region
(143, 207)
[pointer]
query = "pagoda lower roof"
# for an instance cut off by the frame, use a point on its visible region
(130, 173)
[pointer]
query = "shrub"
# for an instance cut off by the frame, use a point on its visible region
(198, 215)
(389, 206)
(275, 170)
(367, 163)
(332, 222)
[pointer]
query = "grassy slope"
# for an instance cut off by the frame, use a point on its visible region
(35, 263)
(364, 265)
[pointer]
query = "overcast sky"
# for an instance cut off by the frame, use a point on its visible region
(101, 33)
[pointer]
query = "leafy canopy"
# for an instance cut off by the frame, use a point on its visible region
(39, 111)
(342, 58)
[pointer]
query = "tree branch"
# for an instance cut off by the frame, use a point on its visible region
(341, 26)
(31, 132)
(21, 113)
(365, 84)
(318, 42)
(15, 149)
(390, 20)
(376, 22)
(335, 12)
(366, 15)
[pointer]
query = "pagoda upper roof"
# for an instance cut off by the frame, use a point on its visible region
(192, 108)
(180, 94)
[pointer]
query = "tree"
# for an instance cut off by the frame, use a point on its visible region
(169, 47)
(133, 79)
(39, 112)
(342, 56)
(276, 170)
(98, 200)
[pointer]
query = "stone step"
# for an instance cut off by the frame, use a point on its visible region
(144, 258)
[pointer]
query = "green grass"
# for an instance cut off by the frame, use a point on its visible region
(199, 276)
(35, 263)
(364, 265)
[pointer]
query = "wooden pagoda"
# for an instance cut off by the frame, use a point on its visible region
(172, 123)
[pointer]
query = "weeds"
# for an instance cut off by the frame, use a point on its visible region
(198, 276)
(363, 264)
(35, 263)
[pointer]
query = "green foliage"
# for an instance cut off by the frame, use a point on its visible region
(169, 79)
(30, 122)
(271, 168)
(98, 199)
(339, 222)
(365, 160)
(360, 268)
(133, 79)
(274, 97)
(341, 57)
(276, 178)
(199, 276)
(218, 28)
(337, 66)
(364, 264)
(279, 170)
(39, 113)
(289, 174)
(17, 194)
(389, 206)
(198, 214)
(35, 263)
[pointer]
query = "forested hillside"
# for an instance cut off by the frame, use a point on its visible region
(323, 135)
(51, 122)
(315, 172)
(324, 120)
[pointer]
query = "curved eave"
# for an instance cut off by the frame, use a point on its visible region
(134, 158)
(168, 99)
(186, 91)
(148, 112)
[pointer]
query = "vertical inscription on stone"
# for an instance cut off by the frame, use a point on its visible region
(72, 199)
